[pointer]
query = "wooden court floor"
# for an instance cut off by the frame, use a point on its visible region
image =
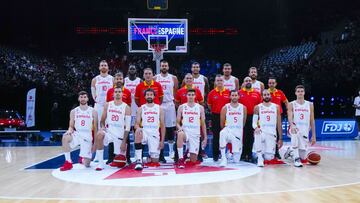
(335, 179)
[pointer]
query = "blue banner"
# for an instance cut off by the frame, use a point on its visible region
(330, 128)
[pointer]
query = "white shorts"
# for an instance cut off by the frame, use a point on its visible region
(84, 141)
(169, 114)
(153, 141)
(117, 140)
(300, 140)
(192, 142)
(99, 109)
(265, 142)
(231, 136)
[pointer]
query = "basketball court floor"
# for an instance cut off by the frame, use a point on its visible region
(31, 174)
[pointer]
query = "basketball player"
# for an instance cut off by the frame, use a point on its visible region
(266, 120)
(117, 118)
(83, 120)
(169, 83)
(301, 120)
(181, 94)
(190, 120)
(131, 81)
(126, 97)
(230, 82)
(255, 84)
(149, 118)
(232, 122)
(99, 87)
(201, 82)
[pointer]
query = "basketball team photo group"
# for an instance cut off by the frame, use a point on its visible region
(176, 101)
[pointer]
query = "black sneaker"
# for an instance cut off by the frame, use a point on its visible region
(162, 159)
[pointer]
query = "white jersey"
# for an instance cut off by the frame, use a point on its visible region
(84, 120)
(131, 85)
(268, 118)
(191, 119)
(256, 86)
(235, 117)
(167, 84)
(102, 85)
(200, 84)
(230, 83)
(150, 119)
(302, 116)
(115, 119)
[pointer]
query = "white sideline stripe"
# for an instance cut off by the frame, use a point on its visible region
(180, 197)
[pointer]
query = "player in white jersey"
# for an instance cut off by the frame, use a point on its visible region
(232, 121)
(230, 82)
(256, 84)
(149, 118)
(190, 122)
(115, 126)
(83, 121)
(131, 81)
(266, 120)
(201, 82)
(169, 83)
(99, 87)
(301, 119)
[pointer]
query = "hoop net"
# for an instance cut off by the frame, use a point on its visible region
(158, 51)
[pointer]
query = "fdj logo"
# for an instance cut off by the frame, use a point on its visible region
(338, 127)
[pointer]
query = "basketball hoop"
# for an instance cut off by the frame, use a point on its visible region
(158, 51)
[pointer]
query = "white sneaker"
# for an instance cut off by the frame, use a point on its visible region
(139, 165)
(99, 167)
(223, 162)
(172, 155)
(229, 155)
(297, 162)
(260, 161)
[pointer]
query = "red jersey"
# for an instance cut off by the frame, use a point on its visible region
(217, 99)
(141, 87)
(126, 97)
(249, 99)
(181, 98)
(278, 97)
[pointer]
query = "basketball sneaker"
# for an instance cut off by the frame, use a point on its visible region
(260, 161)
(138, 165)
(223, 162)
(99, 167)
(297, 162)
(67, 166)
(113, 164)
(181, 163)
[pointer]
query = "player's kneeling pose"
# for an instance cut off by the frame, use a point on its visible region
(83, 122)
(190, 120)
(232, 121)
(115, 126)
